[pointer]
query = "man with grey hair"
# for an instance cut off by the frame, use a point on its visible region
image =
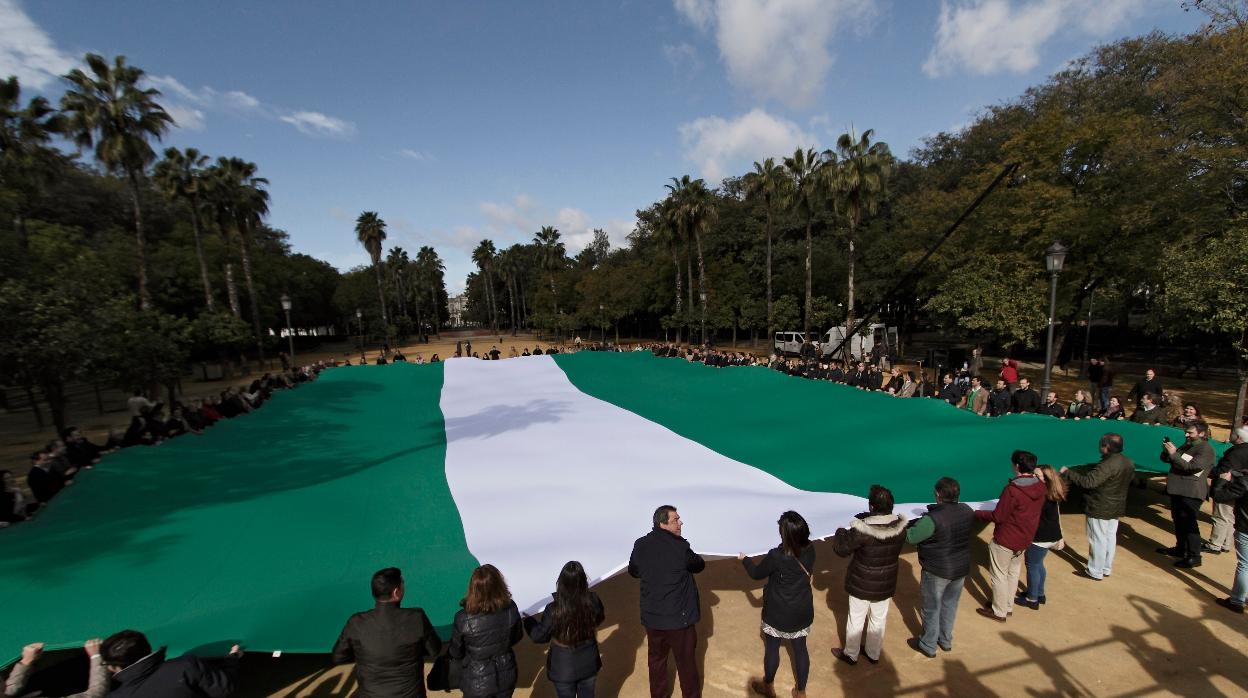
(1105, 485)
(1222, 540)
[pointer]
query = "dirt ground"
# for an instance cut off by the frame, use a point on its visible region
(1150, 629)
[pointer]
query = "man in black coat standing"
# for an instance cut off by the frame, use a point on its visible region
(388, 644)
(1025, 399)
(669, 602)
(138, 672)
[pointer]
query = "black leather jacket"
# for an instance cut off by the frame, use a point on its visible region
(483, 643)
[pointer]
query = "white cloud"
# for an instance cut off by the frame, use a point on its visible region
(776, 49)
(993, 36)
(417, 155)
(314, 123)
(185, 117)
(241, 100)
(721, 146)
(27, 51)
(684, 58)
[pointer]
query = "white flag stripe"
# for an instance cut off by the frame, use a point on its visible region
(543, 473)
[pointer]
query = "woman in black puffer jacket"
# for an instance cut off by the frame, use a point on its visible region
(788, 603)
(570, 623)
(485, 630)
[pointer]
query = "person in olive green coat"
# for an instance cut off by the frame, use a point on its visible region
(1187, 483)
(1105, 487)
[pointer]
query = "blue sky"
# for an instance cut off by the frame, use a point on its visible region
(459, 121)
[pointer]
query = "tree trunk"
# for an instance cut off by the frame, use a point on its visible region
(145, 298)
(34, 404)
(99, 399)
(1241, 367)
(231, 290)
(849, 302)
(809, 302)
(489, 287)
(771, 325)
(697, 237)
(381, 296)
(511, 296)
(437, 312)
(199, 252)
(679, 298)
(245, 246)
(54, 393)
(689, 289)
(554, 297)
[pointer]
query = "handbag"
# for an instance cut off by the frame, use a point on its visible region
(444, 674)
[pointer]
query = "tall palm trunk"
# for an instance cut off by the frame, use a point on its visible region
(381, 296)
(231, 290)
(511, 296)
(554, 296)
(437, 312)
(806, 321)
(245, 246)
(145, 298)
(697, 238)
(420, 324)
(770, 316)
(199, 252)
(489, 287)
(849, 302)
(679, 298)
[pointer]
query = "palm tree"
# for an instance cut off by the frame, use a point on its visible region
(24, 155)
(483, 257)
(667, 231)
(806, 196)
(551, 254)
(370, 230)
(242, 204)
(429, 269)
(181, 176)
(860, 182)
(508, 263)
(108, 111)
(397, 264)
(770, 183)
(695, 208)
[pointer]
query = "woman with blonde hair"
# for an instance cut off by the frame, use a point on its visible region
(1048, 537)
(485, 630)
(1081, 407)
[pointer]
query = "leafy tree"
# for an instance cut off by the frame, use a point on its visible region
(242, 202)
(787, 312)
(108, 111)
(859, 182)
(1006, 298)
(25, 158)
(429, 272)
(551, 257)
(695, 210)
(806, 198)
(769, 183)
(483, 256)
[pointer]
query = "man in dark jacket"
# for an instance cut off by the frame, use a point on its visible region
(949, 391)
(388, 644)
(873, 542)
(999, 399)
(669, 602)
(1052, 407)
(1148, 412)
(138, 672)
(1235, 459)
(1025, 399)
(1231, 487)
(1016, 516)
(1187, 483)
(1150, 384)
(943, 536)
(1106, 484)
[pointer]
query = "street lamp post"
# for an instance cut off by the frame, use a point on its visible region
(702, 296)
(359, 318)
(290, 336)
(1054, 258)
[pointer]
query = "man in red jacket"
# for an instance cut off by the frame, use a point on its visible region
(1017, 515)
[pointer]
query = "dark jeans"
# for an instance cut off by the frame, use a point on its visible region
(1184, 510)
(1034, 559)
(681, 644)
(771, 659)
(578, 689)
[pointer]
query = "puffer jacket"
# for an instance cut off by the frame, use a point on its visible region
(1106, 485)
(1017, 514)
(483, 642)
(874, 541)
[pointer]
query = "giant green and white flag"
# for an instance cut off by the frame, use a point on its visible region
(266, 529)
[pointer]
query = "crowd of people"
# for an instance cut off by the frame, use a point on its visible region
(55, 466)
(390, 644)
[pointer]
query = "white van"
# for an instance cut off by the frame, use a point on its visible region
(788, 342)
(868, 338)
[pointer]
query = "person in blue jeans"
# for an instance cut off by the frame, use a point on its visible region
(943, 536)
(1048, 537)
(1231, 487)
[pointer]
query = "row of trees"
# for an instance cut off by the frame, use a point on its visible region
(1133, 157)
(120, 271)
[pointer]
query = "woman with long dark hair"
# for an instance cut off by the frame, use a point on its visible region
(485, 630)
(570, 623)
(788, 603)
(1048, 537)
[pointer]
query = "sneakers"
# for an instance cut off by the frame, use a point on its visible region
(1230, 605)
